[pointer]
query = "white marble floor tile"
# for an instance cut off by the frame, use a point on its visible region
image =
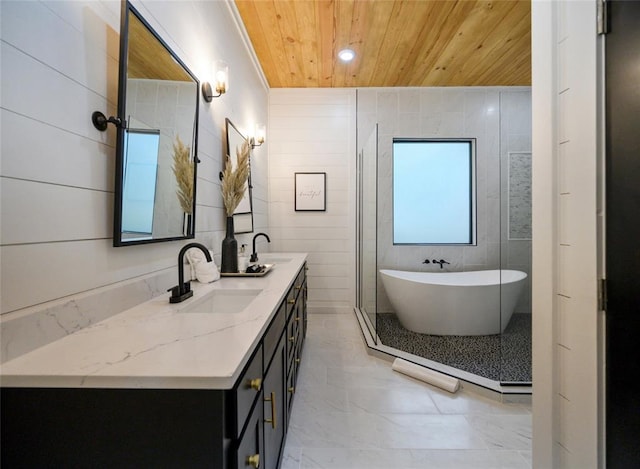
(353, 458)
(372, 376)
(351, 411)
(427, 432)
(291, 456)
(469, 403)
(503, 431)
(395, 400)
(333, 430)
(320, 398)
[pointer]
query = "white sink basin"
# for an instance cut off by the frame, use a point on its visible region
(228, 301)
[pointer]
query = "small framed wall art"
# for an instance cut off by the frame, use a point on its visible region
(310, 192)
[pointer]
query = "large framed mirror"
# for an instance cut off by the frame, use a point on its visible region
(156, 149)
(243, 215)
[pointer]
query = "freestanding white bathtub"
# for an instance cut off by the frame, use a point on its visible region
(454, 303)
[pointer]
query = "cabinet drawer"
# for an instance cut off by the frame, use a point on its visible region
(291, 336)
(291, 300)
(272, 336)
(290, 391)
(250, 452)
(299, 282)
(274, 408)
(247, 390)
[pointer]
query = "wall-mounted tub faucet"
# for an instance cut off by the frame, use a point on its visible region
(441, 261)
(182, 291)
(426, 261)
(254, 255)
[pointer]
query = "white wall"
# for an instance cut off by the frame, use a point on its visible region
(59, 64)
(566, 136)
(313, 130)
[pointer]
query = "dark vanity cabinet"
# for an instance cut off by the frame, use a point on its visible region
(296, 331)
(264, 393)
(238, 428)
(280, 364)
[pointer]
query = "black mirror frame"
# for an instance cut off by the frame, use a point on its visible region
(120, 130)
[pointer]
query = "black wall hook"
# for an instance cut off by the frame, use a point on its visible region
(100, 121)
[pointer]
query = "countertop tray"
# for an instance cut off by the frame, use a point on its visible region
(267, 269)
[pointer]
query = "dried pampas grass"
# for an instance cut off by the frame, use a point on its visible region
(183, 169)
(234, 181)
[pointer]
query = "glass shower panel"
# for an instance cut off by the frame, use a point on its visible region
(515, 235)
(368, 228)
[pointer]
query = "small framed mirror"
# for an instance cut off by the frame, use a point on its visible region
(156, 154)
(243, 215)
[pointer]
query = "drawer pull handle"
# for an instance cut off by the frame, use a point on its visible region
(272, 420)
(297, 360)
(296, 318)
(291, 302)
(298, 287)
(291, 389)
(255, 384)
(292, 339)
(254, 461)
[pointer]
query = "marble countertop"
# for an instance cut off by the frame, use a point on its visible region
(161, 345)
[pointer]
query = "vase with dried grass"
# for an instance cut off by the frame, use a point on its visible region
(183, 170)
(234, 185)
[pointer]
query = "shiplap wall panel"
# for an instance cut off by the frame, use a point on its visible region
(47, 212)
(90, 17)
(314, 131)
(59, 64)
(304, 151)
(36, 273)
(23, 75)
(576, 313)
(308, 233)
(35, 29)
(36, 159)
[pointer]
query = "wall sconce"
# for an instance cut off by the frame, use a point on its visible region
(258, 136)
(221, 74)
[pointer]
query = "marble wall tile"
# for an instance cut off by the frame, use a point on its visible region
(432, 101)
(409, 125)
(367, 100)
(519, 195)
(454, 99)
(409, 101)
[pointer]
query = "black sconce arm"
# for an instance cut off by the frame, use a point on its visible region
(100, 121)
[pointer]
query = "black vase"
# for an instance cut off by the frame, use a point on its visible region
(229, 250)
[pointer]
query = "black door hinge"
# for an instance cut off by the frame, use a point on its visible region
(602, 294)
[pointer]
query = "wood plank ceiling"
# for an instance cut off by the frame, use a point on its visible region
(397, 42)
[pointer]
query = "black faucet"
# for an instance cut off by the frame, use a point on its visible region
(254, 255)
(182, 291)
(441, 261)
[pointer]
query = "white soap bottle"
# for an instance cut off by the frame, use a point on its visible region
(243, 261)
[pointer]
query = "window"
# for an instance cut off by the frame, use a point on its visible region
(434, 200)
(139, 180)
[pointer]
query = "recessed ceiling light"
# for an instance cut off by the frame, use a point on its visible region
(346, 55)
